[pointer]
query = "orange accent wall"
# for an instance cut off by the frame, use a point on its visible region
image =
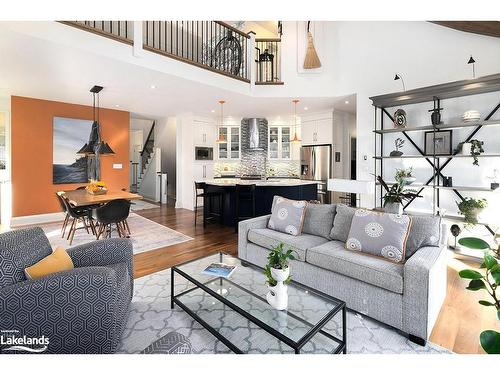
(31, 138)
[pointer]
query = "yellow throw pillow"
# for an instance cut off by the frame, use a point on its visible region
(58, 261)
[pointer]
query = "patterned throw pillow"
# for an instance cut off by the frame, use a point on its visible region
(380, 234)
(287, 216)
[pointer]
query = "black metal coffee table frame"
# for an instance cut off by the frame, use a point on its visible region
(296, 345)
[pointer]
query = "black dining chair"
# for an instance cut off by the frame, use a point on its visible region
(60, 200)
(114, 212)
(245, 198)
(78, 216)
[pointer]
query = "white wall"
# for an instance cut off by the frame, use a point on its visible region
(184, 162)
(368, 54)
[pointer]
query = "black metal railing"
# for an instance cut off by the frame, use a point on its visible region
(122, 31)
(211, 45)
(268, 61)
(148, 149)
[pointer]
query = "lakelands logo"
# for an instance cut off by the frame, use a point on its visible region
(12, 341)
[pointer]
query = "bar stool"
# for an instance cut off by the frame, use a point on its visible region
(244, 193)
(200, 192)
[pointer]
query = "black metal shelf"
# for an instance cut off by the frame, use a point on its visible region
(439, 127)
(437, 156)
(459, 188)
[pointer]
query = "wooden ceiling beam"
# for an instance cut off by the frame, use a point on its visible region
(488, 28)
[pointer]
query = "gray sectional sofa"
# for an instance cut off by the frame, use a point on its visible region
(406, 296)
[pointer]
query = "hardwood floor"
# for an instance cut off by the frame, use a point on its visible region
(459, 324)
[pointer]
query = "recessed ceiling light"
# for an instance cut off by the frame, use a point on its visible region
(213, 111)
(306, 108)
(152, 87)
(346, 102)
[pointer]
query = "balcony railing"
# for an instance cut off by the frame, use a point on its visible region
(211, 45)
(122, 31)
(268, 60)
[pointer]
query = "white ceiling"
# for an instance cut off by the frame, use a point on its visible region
(36, 68)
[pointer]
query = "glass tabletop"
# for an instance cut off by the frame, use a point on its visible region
(246, 289)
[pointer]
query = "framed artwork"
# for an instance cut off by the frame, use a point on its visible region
(441, 143)
(69, 135)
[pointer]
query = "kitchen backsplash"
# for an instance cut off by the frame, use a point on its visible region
(285, 168)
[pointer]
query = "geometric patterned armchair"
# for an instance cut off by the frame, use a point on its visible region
(83, 310)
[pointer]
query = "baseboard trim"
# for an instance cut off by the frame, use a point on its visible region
(20, 221)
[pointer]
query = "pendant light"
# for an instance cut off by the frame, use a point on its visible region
(295, 138)
(221, 138)
(95, 144)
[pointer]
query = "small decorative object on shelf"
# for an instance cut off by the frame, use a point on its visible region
(398, 143)
(448, 181)
(96, 187)
(405, 176)
(400, 119)
(436, 113)
(494, 185)
(396, 195)
(438, 143)
(277, 272)
(471, 208)
(455, 231)
(471, 116)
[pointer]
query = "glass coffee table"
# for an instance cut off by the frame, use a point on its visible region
(236, 312)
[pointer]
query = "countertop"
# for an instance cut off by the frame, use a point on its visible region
(272, 182)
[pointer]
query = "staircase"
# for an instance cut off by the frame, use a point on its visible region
(146, 157)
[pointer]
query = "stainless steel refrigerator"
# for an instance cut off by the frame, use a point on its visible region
(316, 165)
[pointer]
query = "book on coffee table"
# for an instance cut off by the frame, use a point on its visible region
(219, 269)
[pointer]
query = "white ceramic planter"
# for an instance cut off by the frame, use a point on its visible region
(466, 148)
(409, 180)
(277, 296)
(394, 208)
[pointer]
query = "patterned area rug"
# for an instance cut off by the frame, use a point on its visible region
(146, 235)
(151, 318)
(140, 205)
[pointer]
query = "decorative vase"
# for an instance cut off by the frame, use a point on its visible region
(436, 117)
(394, 208)
(396, 153)
(277, 296)
(466, 148)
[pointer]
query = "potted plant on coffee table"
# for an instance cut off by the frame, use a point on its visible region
(277, 272)
(396, 195)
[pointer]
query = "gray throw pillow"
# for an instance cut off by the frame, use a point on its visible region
(319, 219)
(342, 222)
(380, 234)
(425, 231)
(287, 216)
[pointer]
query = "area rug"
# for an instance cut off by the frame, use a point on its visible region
(146, 235)
(152, 318)
(140, 205)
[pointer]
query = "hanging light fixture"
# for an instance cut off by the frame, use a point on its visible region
(295, 138)
(95, 144)
(221, 138)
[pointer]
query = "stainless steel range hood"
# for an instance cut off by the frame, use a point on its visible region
(254, 135)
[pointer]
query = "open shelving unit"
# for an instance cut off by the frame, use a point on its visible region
(433, 94)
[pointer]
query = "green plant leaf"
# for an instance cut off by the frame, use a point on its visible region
(490, 261)
(474, 243)
(490, 341)
(476, 285)
(470, 274)
(496, 276)
(498, 314)
(486, 303)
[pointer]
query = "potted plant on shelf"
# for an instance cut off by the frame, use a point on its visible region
(473, 148)
(277, 272)
(405, 175)
(489, 281)
(471, 208)
(396, 195)
(398, 144)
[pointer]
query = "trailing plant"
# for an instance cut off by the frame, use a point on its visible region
(488, 281)
(279, 258)
(468, 207)
(475, 150)
(397, 193)
(403, 173)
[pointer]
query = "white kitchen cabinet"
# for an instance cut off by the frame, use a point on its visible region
(204, 133)
(280, 147)
(231, 149)
(203, 171)
(317, 130)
